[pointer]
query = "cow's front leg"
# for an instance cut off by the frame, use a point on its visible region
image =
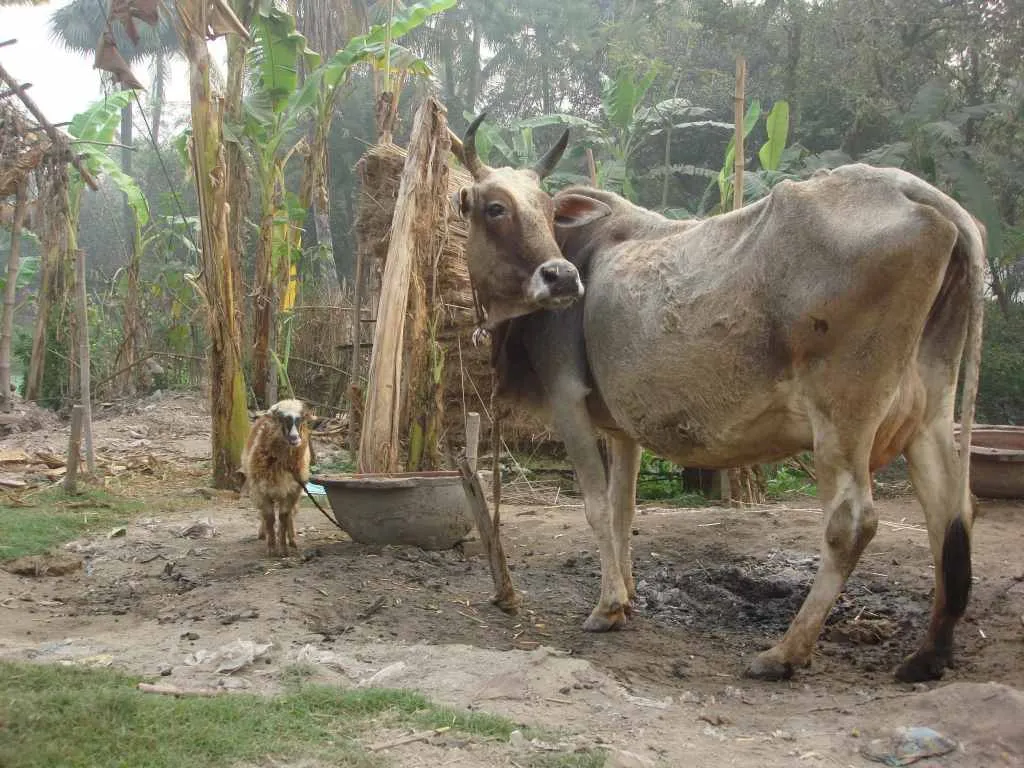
(625, 455)
(577, 432)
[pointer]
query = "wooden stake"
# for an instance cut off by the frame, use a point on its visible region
(83, 360)
(74, 442)
(591, 167)
(505, 595)
(10, 296)
(472, 438)
(738, 112)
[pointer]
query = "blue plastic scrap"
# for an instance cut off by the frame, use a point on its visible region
(908, 746)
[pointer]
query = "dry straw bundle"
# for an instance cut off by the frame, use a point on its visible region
(467, 370)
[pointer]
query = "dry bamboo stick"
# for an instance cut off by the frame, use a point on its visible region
(505, 595)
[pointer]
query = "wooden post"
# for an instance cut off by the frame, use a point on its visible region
(10, 297)
(74, 442)
(591, 167)
(472, 438)
(82, 312)
(354, 408)
(505, 595)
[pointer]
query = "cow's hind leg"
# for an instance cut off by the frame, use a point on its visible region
(574, 427)
(625, 464)
(844, 484)
(935, 473)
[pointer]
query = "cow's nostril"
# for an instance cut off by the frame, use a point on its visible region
(549, 273)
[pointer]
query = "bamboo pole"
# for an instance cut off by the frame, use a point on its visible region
(82, 312)
(10, 297)
(744, 483)
(738, 112)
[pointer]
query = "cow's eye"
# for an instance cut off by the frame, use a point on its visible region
(495, 210)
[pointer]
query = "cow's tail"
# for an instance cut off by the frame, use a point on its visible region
(956, 546)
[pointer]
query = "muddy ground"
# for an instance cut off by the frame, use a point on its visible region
(188, 580)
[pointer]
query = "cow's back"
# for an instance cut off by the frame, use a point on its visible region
(699, 340)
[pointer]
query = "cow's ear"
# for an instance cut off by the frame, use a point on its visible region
(572, 210)
(462, 201)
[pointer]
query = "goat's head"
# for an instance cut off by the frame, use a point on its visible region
(514, 261)
(293, 418)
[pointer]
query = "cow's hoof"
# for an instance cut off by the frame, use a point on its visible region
(768, 666)
(921, 666)
(605, 622)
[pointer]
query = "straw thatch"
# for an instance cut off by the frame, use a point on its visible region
(22, 147)
(467, 371)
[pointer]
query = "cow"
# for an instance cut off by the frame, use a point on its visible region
(831, 315)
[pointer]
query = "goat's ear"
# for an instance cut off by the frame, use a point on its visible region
(572, 210)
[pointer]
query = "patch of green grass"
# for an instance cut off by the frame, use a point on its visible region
(56, 517)
(785, 482)
(88, 718)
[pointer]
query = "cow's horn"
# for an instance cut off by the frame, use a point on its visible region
(470, 159)
(547, 163)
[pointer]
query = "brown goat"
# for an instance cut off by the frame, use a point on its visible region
(276, 458)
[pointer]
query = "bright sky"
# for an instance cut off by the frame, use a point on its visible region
(65, 83)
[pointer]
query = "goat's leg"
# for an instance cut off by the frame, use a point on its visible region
(267, 515)
(289, 509)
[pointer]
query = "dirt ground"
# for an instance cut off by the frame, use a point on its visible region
(188, 588)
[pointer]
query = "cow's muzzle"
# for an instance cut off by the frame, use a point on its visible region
(555, 284)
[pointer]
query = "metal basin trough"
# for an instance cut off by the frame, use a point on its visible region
(422, 509)
(997, 461)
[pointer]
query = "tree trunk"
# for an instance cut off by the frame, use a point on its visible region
(416, 210)
(238, 172)
(10, 297)
(230, 420)
(263, 301)
(158, 97)
(129, 341)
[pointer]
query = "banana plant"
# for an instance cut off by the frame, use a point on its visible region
(92, 132)
(771, 157)
(276, 112)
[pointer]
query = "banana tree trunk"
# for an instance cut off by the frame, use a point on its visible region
(10, 296)
(263, 302)
(230, 420)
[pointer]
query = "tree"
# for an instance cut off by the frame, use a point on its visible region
(79, 26)
(229, 417)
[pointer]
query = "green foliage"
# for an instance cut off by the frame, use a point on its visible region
(783, 481)
(48, 520)
(92, 130)
(777, 125)
(1001, 386)
(661, 480)
(88, 718)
